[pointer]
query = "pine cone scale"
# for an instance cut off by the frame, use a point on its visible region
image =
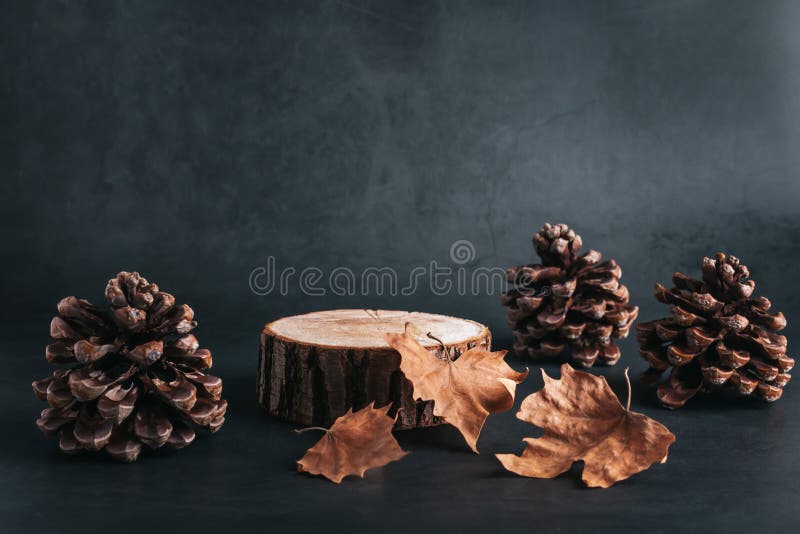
(59, 352)
(91, 433)
(152, 427)
(117, 403)
(123, 447)
(58, 394)
(52, 419)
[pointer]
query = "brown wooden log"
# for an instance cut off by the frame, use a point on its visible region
(312, 368)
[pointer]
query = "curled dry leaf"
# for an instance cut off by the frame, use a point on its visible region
(356, 441)
(465, 391)
(584, 420)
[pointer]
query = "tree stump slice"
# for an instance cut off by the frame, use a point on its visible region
(314, 367)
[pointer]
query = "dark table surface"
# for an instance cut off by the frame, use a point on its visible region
(733, 468)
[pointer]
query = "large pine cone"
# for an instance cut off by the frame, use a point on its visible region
(134, 373)
(716, 334)
(568, 300)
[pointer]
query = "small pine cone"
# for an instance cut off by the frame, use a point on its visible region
(717, 334)
(568, 301)
(133, 373)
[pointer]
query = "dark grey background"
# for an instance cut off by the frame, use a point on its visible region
(192, 140)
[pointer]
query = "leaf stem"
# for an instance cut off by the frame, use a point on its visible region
(301, 430)
(628, 380)
(437, 340)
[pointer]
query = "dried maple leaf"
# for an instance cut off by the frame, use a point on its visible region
(584, 420)
(356, 441)
(466, 390)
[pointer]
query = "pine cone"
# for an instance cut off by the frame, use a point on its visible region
(568, 300)
(134, 376)
(716, 334)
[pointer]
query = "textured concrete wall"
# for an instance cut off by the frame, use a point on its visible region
(192, 140)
